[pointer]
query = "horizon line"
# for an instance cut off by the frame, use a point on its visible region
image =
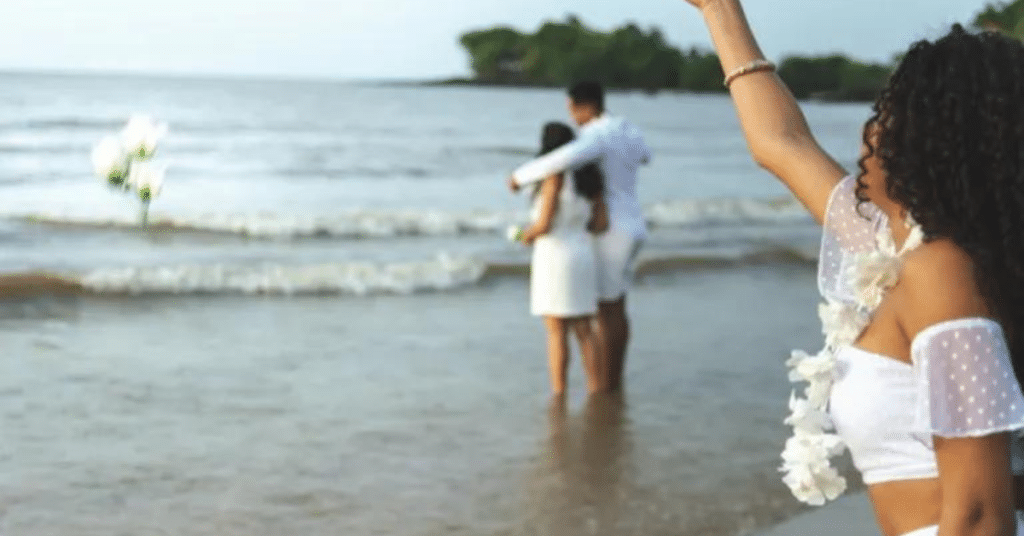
(224, 75)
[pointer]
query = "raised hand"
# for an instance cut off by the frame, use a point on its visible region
(699, 4)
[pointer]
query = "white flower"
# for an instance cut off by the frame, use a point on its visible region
(872, 274)
(817, 368)
(109, 161)
(147, 179)
(805, 418)
(833, 444)
(141, 135)
(817, 393)
(831, 483)
(801, 482)
(814, 485)
(795, 358)
(800, 452)
(514, 233)
(811, 448)
(808, 473)
(841, 322)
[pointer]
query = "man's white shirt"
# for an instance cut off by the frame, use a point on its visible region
(618, 147)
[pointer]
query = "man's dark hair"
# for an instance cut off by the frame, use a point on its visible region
(588, 93)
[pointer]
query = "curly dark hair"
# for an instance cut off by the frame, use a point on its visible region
(948, 131)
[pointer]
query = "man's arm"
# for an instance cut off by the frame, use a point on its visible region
(570, 156)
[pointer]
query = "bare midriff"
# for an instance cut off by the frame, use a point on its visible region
(902, 506)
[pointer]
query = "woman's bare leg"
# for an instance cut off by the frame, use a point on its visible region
(593, 353)
(558, 353)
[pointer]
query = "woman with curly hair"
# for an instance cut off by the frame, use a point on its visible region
(922, 272)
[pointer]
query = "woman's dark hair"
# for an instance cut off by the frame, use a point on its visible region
(948, 131)
(553, 136)
(588, 181)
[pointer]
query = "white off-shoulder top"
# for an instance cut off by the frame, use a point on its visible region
(960, 382)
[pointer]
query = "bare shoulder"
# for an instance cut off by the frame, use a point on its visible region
(936, 284)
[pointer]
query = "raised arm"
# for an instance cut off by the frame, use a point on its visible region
(572, 155)
(775, 128)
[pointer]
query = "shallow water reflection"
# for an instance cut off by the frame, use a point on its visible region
(398, 416)
(42, 307)
(587, 469)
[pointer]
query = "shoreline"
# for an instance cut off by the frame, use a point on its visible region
(21, 285)
(831, 97)
(849, 515)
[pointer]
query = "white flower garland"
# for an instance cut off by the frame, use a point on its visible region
(806, 458)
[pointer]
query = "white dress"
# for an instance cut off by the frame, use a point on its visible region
(563, 272)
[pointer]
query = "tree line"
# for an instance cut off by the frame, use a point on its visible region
(560, 53)
(1006, 17)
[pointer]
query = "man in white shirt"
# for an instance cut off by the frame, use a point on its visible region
(619, 149)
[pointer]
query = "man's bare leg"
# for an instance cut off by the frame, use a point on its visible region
(614, 327)
(589, 337)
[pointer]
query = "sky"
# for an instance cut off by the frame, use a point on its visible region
(410, 39)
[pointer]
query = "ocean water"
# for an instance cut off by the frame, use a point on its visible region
(287, 187)
(324, 331)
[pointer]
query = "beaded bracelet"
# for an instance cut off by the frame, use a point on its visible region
(752, 67)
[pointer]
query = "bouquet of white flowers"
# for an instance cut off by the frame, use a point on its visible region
(514, 233)
(124, 161)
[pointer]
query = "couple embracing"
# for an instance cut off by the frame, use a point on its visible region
(587, 230)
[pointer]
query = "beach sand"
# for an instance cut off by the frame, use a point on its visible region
(23, 286)
(397, 415)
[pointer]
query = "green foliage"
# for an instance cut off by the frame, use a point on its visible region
(701, 71)
(833, 78)
(1006, 17)
(560, 53)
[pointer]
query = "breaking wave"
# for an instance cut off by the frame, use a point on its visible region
(398, 223)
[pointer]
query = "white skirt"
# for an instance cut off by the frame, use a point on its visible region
(563, 275)
(616, 252)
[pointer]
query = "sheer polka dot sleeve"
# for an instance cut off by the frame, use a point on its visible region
(964, 380)
(846, 232)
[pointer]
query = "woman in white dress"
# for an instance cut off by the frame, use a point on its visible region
(922, 270)
(563, 277)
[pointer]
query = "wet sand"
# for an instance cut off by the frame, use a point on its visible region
(28, 285)
(850, 515)
(397, 415)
